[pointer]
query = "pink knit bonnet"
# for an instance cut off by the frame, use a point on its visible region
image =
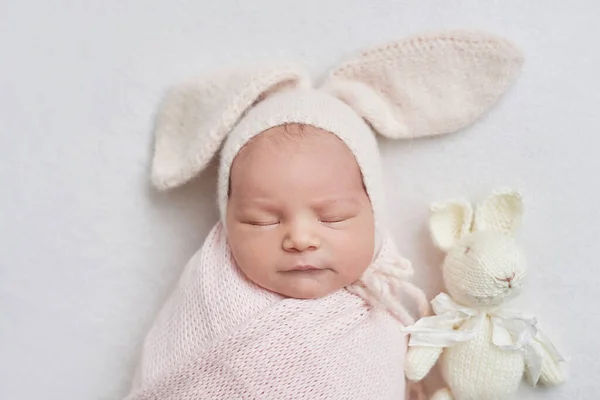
(421, 86)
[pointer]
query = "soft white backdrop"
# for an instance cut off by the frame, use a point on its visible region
(88, 252)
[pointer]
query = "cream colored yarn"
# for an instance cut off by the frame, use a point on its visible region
(485, 349)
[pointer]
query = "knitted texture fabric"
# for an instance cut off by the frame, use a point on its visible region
(426, 85)
(485, 349)
(219, 336)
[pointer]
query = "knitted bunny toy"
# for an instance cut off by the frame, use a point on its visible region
(484, 348)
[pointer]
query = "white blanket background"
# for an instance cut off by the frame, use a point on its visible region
(88, 252)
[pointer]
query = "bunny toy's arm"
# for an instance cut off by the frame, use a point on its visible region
(549, 370)
(420, 360)
(552, 374)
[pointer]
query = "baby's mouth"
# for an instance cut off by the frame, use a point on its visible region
(305, 268)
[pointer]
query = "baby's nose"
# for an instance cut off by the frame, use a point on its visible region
(300, 238)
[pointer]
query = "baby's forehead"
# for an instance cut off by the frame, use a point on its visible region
(282, 141)
(296, 157)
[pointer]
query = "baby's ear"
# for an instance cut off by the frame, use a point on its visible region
(501, 212)
(450, 222)
(196, 116)
(427, 85)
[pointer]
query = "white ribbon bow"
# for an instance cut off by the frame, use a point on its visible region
(512, 331)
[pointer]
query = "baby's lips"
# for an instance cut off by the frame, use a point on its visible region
(302, 266)
(306, 268)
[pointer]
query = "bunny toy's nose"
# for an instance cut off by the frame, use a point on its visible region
(508, 280)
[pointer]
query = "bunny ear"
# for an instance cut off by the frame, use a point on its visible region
(450, 222)
(427, 85)
(501, 212)
(196, 116)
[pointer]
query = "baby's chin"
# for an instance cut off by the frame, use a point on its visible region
(306, 286)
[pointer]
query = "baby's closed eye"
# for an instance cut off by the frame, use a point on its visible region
(331, 219)
(336, 218)
(336, 210)
(258, 219)
(261, 223)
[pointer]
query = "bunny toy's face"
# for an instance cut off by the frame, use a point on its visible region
(484, 269)
(483, 265)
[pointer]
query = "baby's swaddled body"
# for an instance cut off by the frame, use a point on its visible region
(220, 336)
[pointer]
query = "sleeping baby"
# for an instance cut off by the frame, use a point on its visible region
(299, 292)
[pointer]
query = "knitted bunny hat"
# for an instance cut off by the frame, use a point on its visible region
(426, 85)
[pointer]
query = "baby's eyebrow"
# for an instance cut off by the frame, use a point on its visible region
(336, 201)
(258, 202)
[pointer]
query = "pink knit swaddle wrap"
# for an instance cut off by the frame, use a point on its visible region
(219, 336)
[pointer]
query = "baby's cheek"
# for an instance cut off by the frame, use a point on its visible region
(354, 255)
(253, 254)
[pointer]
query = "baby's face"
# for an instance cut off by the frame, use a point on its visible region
(299, 220)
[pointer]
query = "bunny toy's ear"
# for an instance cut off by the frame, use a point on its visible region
(196, 116)
(450, 222)
(427, 85)
(501, 212)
